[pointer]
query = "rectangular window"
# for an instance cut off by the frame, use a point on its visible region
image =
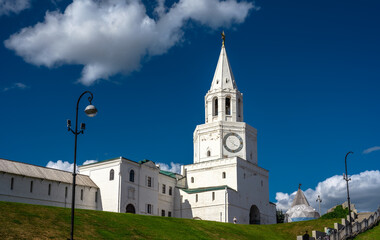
(163, 188)
(170, 191)
(81, 194)
(196, 197)
(149, 208)
(169, 214)
(65, 192)
(149, 182)
(49, 189)
(12, 182)
(213, 196)
(31, 186)
(163, 213)
(96, 196)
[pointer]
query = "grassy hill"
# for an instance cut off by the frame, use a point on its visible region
(372, 234)
(25, 221)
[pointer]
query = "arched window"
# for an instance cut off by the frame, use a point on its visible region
(215, 107)
(208, 153)
(192, 179)
(228, 106)
(239, 107)
(132, 176)
(224, 175)
(112, 174)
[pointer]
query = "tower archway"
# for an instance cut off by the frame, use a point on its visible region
(254, 215)
(130, 209)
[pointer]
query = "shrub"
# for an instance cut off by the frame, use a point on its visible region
(338, 212)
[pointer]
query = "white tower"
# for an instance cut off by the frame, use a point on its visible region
(224, 133)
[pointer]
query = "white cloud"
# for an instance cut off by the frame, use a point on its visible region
(61, 165)
(89, 162)
(15, 86)
(174, 167)
(113, 36)
(372, 149)
(364, 192)
(13, 6)
(65, 165)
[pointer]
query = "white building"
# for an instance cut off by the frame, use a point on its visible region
(224, 181)
(26, 183)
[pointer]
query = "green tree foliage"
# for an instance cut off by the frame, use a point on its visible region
(338, 212)
(280, 216)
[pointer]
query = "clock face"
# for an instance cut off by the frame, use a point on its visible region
(232, 142)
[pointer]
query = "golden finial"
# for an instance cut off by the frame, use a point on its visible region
(223, 38)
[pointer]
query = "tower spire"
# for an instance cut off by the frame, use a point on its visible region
(223, 38)
(223, 77)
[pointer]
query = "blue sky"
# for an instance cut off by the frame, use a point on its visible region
(309, 72)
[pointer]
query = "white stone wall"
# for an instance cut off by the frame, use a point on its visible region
(39, 195)
(166, 201)
(117, 194)
(202, 206)
(148, 195)
(109, 189)
(210, 173)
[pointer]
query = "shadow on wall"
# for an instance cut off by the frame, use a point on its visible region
(186, 210)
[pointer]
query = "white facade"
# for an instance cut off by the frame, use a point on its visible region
(140, 188)
(224, 181)
(25, 183)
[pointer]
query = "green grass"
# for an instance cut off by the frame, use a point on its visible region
(25, 221)
(372, 234)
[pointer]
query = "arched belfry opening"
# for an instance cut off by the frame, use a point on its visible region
(228, 106)
(254, 215)
(130, 209)
(215, 112)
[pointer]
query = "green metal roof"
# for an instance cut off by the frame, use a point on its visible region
(145, 161)
(169, 174)
(198, 190)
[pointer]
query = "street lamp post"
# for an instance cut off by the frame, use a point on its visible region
(91, 111)
(345, 177)
(319, 200)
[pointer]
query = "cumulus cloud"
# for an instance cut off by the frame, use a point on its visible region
(13, 6)
(372, 149)
(174, 167)
(65, 165)
(114, 36)
(89, 162)
(61, 165)
(364, 193)
(15, 86)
